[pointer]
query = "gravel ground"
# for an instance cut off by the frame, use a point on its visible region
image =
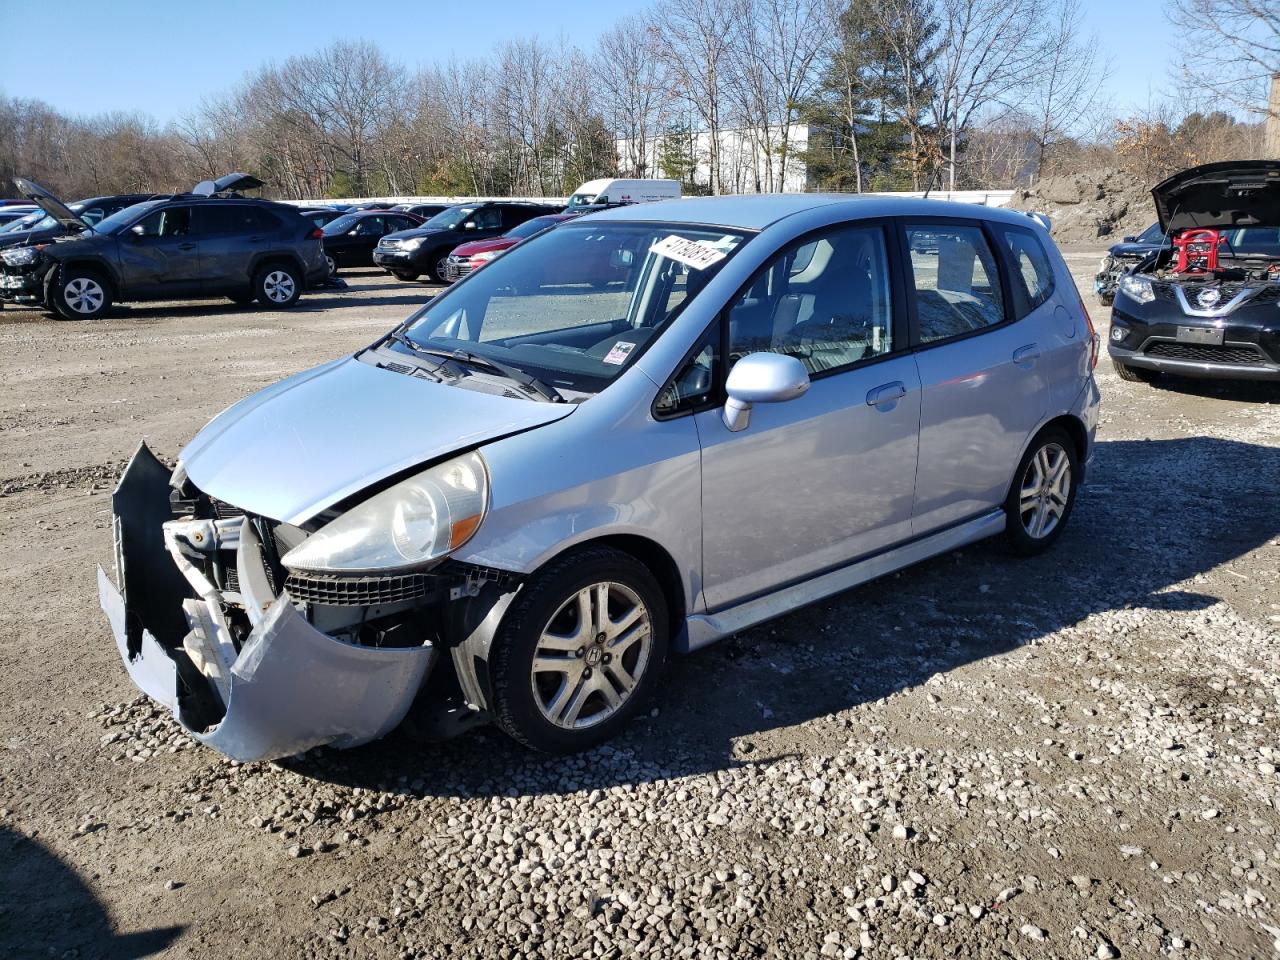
(1070, 756)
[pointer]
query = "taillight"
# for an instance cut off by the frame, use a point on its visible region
(316, 234)
(1093, 334)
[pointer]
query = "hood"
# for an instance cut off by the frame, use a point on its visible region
(47, 202)
(316, 438)
(423, 231)
(485, 246)
(1235, 193)
(1135, 249)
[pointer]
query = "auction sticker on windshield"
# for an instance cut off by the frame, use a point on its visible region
(619, 353)
(691, 253)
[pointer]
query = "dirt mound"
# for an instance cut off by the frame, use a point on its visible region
(1106, 203)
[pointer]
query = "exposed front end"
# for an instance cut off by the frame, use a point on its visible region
(254, 660)
(23, 270)
(1202, 328)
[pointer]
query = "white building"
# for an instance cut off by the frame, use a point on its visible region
(750, 158)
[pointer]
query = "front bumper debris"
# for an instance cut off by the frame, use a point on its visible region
(288, 687)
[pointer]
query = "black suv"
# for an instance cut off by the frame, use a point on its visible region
(207, 243)
(425, 249)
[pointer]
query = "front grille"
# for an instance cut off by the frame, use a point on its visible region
(358, 591)
(1207, 353)
(457, 268)
(224, 511)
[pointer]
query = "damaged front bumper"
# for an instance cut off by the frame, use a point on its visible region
(243, 669)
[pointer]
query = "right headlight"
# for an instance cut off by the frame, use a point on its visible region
(20, 256)
(1137, 287)
(413, 243)
(410, 524)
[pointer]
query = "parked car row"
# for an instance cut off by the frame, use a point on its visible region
(79, 259)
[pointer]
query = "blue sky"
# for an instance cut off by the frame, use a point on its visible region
(161, 57)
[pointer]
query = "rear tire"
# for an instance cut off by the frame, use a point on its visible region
(81, 294)
(277, 285)
(436, 264)
(1042, 493)
(568, 674)
(405, 275)
(332, 264)
(1134, 374)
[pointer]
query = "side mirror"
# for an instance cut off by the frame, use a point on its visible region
(138, 230)
(761, 378)
(469, 225)
(1129, 240)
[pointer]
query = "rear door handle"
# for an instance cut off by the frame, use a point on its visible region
(1028, 354)
(886, 393)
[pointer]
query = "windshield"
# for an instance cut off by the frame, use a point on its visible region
(1153, 234)
(122, 218)
(530, 227)
(451, 217)
(25, 223)
(1243, 241)
(581, 200)
(575, 305)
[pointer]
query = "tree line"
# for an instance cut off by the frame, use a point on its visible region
(898, 94)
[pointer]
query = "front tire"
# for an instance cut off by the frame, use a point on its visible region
(81, 294)
(405, 275)
(579, 651)
(277, 285)
(1134, 374)
(1042, 493)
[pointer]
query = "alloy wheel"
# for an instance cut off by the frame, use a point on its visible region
(332, 265)
(278, 286)
(591, 655)
(1045, 490)
(84, 295)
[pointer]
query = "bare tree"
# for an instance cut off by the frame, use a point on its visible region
(633, 88)
(1066, 80)
(694, 43)
(1231, 47)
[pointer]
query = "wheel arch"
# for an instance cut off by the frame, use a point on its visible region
(95, 264)
(1073, 426)
(261, 260)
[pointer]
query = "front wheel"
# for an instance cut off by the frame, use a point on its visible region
(1042, 494)
(81, 295)
(1134, 374)
(277, 285)
(405, 275)
(578, 652)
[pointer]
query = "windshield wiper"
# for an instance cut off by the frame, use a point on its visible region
(531, 385)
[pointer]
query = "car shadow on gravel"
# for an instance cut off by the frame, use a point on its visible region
(1153, 515)
(46, 910)
(1237, 391)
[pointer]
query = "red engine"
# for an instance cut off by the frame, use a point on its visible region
(1197, 251)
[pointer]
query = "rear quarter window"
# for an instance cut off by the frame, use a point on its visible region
(1032, 268)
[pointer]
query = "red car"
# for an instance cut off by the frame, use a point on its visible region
(472, 256)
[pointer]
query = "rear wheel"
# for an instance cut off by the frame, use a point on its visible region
(81, 294)
(1134, 374)
(332, 264)
(1042, 494)
(438, 262)
(405, 274)
(580, 649)
(277, 285)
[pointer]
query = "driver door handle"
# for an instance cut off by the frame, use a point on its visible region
(186, 246)
(1028, 354)
(886, 393)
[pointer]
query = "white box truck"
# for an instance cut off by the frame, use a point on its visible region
(610, 191)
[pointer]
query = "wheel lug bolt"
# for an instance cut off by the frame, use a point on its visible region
(586, 672)
(608, 658)
(579, 652)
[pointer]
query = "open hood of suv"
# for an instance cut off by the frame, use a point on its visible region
(230, 181)
(47, 202)
(1235, 193)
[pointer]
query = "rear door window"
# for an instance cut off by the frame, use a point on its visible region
(955, 279)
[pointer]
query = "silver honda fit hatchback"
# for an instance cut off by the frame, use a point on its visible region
(631, 435)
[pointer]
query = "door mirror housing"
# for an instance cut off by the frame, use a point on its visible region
(138, 230)
(469, 225)
(1129, 240)
(761, 378)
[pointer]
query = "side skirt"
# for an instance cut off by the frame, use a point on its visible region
(704, 629)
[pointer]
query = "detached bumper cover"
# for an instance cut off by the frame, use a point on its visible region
(290, 688)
